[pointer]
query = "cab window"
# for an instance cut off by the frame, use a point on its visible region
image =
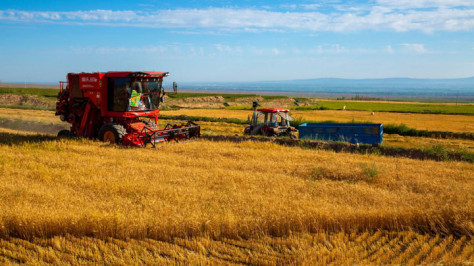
(119, 90)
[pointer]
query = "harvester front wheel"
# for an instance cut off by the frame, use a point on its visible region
(112, 133)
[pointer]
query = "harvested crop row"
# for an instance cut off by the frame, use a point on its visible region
(221, 190)
(342, 248)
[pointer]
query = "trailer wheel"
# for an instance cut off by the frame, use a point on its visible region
(64, 133)
(112, 133)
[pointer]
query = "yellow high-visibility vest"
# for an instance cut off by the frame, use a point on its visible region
(135, 99)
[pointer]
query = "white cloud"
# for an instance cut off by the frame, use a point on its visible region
(407, 4)
(311, 6)
(389, 49)
(319, 49)
(289, 6)
(415, 47)
(228, 49)
(455, 15)
(331, 49)
(115, 50)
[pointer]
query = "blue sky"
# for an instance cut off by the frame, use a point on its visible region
(41, 41)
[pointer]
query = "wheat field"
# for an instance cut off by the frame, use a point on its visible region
(434, 122)
(380, 247)
(223, 190)
(82, 202)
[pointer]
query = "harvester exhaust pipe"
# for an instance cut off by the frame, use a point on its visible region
(255, 105)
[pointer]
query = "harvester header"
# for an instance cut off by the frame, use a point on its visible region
(120, 107)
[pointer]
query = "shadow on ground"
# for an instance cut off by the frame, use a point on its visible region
(32, 126)
(15, 139)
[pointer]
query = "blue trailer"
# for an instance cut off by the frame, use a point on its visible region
(348, 132)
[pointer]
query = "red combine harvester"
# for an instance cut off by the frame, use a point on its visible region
(270, 122)
(119, 107)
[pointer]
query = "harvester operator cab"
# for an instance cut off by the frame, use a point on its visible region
(134, 94)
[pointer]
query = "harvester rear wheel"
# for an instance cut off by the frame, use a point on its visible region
(112, 133)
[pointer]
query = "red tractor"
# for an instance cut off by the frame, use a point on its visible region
(119, 107)
(270, 122)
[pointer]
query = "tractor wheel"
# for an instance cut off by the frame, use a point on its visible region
(64, 133)
(112, 133)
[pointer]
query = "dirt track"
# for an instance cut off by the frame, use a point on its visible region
(26, 100)
(219, 101)
(23, 85)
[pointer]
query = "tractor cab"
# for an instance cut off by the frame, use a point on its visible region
(271, 122)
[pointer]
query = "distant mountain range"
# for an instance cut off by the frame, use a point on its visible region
(462, 87)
